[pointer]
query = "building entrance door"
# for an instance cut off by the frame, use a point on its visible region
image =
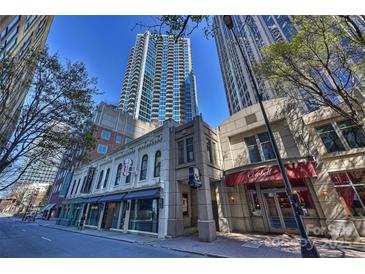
(278, 211)
(108, 215)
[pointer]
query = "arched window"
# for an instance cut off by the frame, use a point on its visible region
(119, 173)
(106, 178)
(143, 174)
(128, 179)
(83, 185)
(100, 179)
(73, 187)
(157, 170)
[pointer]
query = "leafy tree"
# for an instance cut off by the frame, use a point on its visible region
(324, 62)
(179, 25)
(55, 120)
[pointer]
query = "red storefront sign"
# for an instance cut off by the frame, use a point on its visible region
(295, 172)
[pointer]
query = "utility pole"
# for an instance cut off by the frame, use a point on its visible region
(308, 250)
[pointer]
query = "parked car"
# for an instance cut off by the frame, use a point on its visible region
(31, 216)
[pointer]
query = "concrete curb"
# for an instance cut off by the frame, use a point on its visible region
(212, 255)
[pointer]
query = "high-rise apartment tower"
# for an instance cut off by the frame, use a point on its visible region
(159, 83)
(254, 33)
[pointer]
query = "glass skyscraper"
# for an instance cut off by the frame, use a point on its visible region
(254, 33)
(159, 83)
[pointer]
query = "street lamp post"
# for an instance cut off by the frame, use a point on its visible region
(308, 250)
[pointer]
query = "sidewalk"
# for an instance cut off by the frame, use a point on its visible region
(230, 245)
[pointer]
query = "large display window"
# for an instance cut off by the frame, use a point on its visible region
(94, 214)
(350, 187)
(144, 215)
(119, 213)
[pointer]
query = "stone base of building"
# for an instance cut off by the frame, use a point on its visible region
(207, 231)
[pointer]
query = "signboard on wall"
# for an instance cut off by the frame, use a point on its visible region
(127, 167)
(194, 177)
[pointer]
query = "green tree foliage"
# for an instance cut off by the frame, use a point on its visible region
(324, 62)
(179, 25)
(55, 120)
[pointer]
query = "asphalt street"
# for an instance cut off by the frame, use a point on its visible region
(29, 240)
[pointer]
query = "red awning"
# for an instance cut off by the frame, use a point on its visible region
(295, 171)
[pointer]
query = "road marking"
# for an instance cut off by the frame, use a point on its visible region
(44, 238)
(23, 230)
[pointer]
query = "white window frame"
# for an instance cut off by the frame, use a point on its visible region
(338, 131)
(116, 138)
(259, 147)
(106, 132)
(101, 145)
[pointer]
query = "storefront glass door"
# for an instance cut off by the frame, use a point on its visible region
(286, 210)
(272, 211)
(278, 209)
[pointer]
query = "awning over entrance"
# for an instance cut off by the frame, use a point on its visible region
(74, 201)
(94, 200)
(143, 194)
(48, 207)
(295, 171)
(112, 198)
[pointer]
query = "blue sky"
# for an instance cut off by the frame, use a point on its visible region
(103, 44)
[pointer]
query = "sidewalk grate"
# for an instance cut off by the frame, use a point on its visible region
(251, 245)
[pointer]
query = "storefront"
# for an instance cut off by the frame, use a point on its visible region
(114, 211)
(136, 211)
(93, 215)
(71, 212)
(267, 202)
(144, 210)
(350, 188)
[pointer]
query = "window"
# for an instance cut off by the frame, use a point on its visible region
(189, 150)
(143, 174)
(119, 173)
(128, 179)
(83, 184)
(350, 187)
(127, 140)
(253, 149)
(100, 179)
(354, 135)
(340, 136)
(185, 151)
(102, 149)
(330, 138)
(94, 214)
(118, 139)
(77, 187)
(180, 152)
(30, 20)
(157, 170)
(259, 148)
(266, 146)
(211, 148)
(10, 27)
(253, 202)
(144, 215)
(73, 187)
(25, 46)
(105, 134)
(106, 178)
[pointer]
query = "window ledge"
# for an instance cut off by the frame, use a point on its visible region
(351, 152)
(185, 165)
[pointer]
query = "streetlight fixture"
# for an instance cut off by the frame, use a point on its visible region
(308, 250)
